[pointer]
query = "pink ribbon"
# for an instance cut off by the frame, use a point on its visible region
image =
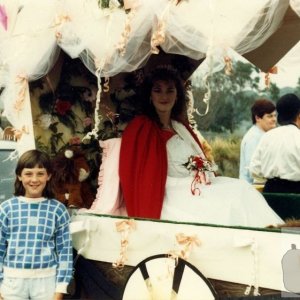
(124, 227)
(200, 177)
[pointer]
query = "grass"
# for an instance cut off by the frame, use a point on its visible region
(226, 152)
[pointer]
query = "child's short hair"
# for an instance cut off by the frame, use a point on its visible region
(32, 159)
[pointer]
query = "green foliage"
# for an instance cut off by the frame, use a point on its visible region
(274, 92)
(70, 105)
(40, 145)
(226, 152)
(231, 98)
(60, 105)
(297, 90)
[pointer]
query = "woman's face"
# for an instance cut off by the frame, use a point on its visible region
(163, 95)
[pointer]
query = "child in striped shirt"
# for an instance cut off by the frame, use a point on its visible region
(35, 241)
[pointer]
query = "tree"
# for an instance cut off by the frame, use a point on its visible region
(274, 92)
(231, 98)
(297, 90)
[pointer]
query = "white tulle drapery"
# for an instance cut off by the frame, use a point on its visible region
(109, 39)
(27, 52)
(198, 28)
(113, 40)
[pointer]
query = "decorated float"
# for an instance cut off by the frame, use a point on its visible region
(117, 42)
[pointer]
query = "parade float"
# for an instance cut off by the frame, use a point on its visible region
(120, 257)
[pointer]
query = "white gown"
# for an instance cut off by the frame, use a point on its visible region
(226, 201)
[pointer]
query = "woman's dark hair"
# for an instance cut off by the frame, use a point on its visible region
(31, 159)
(288, 108)
(262, 107)
(169, 74)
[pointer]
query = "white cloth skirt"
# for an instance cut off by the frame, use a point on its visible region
(226, 201)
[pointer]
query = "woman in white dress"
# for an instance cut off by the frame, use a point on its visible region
(167, 171)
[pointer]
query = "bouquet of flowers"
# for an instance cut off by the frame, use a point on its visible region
(197, 163)
(203, 170)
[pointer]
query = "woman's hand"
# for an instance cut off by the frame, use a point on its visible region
(57, 296)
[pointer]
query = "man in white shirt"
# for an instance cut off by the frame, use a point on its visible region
(264, 118)
(277, 156)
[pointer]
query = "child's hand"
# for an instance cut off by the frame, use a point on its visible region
(57, 296)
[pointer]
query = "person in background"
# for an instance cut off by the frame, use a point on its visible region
(263, 118)
(166, 171)
(35, 241)
(277, 156)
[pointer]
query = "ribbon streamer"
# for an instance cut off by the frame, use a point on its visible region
(158, 36)
(124, 227)
(121, 47)
(106, 85)
(254, 252)
(206, 97)
(228, 65)
(19, 132)
(58, 22)
(273, 70)
(22, 81)
(187, 243)
(200, 178)
(97, 115)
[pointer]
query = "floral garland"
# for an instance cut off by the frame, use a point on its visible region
(203, 170)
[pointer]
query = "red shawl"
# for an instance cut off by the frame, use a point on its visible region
(143, 167)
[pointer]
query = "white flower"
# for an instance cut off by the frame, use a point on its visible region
(45, 121)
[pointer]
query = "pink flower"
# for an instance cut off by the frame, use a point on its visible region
(75, 140)
(87, 122)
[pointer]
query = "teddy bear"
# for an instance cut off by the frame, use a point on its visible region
(70, 171)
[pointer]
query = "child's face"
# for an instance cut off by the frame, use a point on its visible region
(34, 181)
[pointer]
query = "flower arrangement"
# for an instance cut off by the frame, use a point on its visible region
(203, 169)
(66, 110)
(197, 163)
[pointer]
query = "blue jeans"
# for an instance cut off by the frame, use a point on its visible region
(28, 288)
